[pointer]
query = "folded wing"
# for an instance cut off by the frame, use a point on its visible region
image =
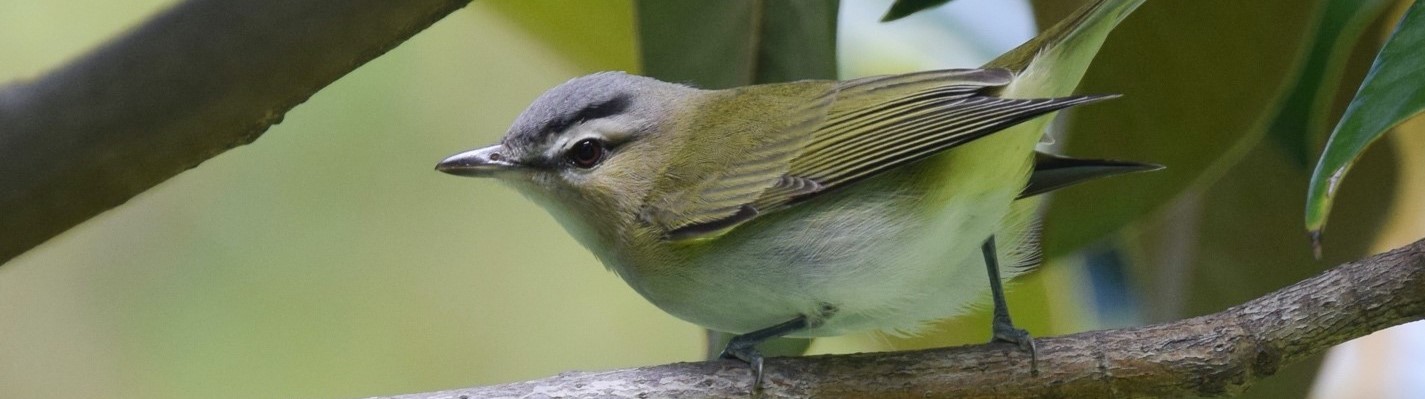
(853, 131)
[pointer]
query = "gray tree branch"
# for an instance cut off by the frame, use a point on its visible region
(1214, 355)
(192, 82)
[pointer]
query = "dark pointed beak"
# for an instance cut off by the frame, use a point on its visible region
(482, 162)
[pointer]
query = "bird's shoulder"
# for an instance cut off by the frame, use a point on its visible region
(739, 143)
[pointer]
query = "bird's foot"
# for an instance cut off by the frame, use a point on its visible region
(746, 352)
(1005, 332)
(744, 347)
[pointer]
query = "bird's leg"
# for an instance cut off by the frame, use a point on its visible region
(1003, 328)
(744, 347)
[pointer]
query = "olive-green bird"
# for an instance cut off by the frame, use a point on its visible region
(810, 208)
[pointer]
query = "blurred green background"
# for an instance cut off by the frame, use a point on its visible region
(327, 259)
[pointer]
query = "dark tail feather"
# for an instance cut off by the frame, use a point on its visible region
(1053, 172)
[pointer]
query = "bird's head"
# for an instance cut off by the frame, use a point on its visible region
(587, 150)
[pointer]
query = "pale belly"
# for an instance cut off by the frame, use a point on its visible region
(874, 257)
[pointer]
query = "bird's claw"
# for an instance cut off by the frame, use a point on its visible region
(1007, 333)
(747, 353)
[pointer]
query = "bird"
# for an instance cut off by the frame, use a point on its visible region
(811, 208)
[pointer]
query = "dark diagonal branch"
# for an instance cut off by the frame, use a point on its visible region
(192, 82)
(1218, 354)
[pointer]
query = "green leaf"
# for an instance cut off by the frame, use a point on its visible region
(597, 35)
(1196, 78)
(722, 44)
(1301, 122)
(904, 8)
(1394, 90)
(1238, 239)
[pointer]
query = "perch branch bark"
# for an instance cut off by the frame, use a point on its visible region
(190, 83)
(1213, 355)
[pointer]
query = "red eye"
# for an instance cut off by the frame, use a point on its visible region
(586, 153)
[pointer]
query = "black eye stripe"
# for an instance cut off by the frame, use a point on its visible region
(604, 109)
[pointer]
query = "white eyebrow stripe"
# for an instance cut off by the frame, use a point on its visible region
(608, 130)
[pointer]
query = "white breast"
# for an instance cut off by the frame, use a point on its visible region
(877, 254)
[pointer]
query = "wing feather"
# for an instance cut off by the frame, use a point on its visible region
(720, 172)
(904, 130)
(792, 149)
